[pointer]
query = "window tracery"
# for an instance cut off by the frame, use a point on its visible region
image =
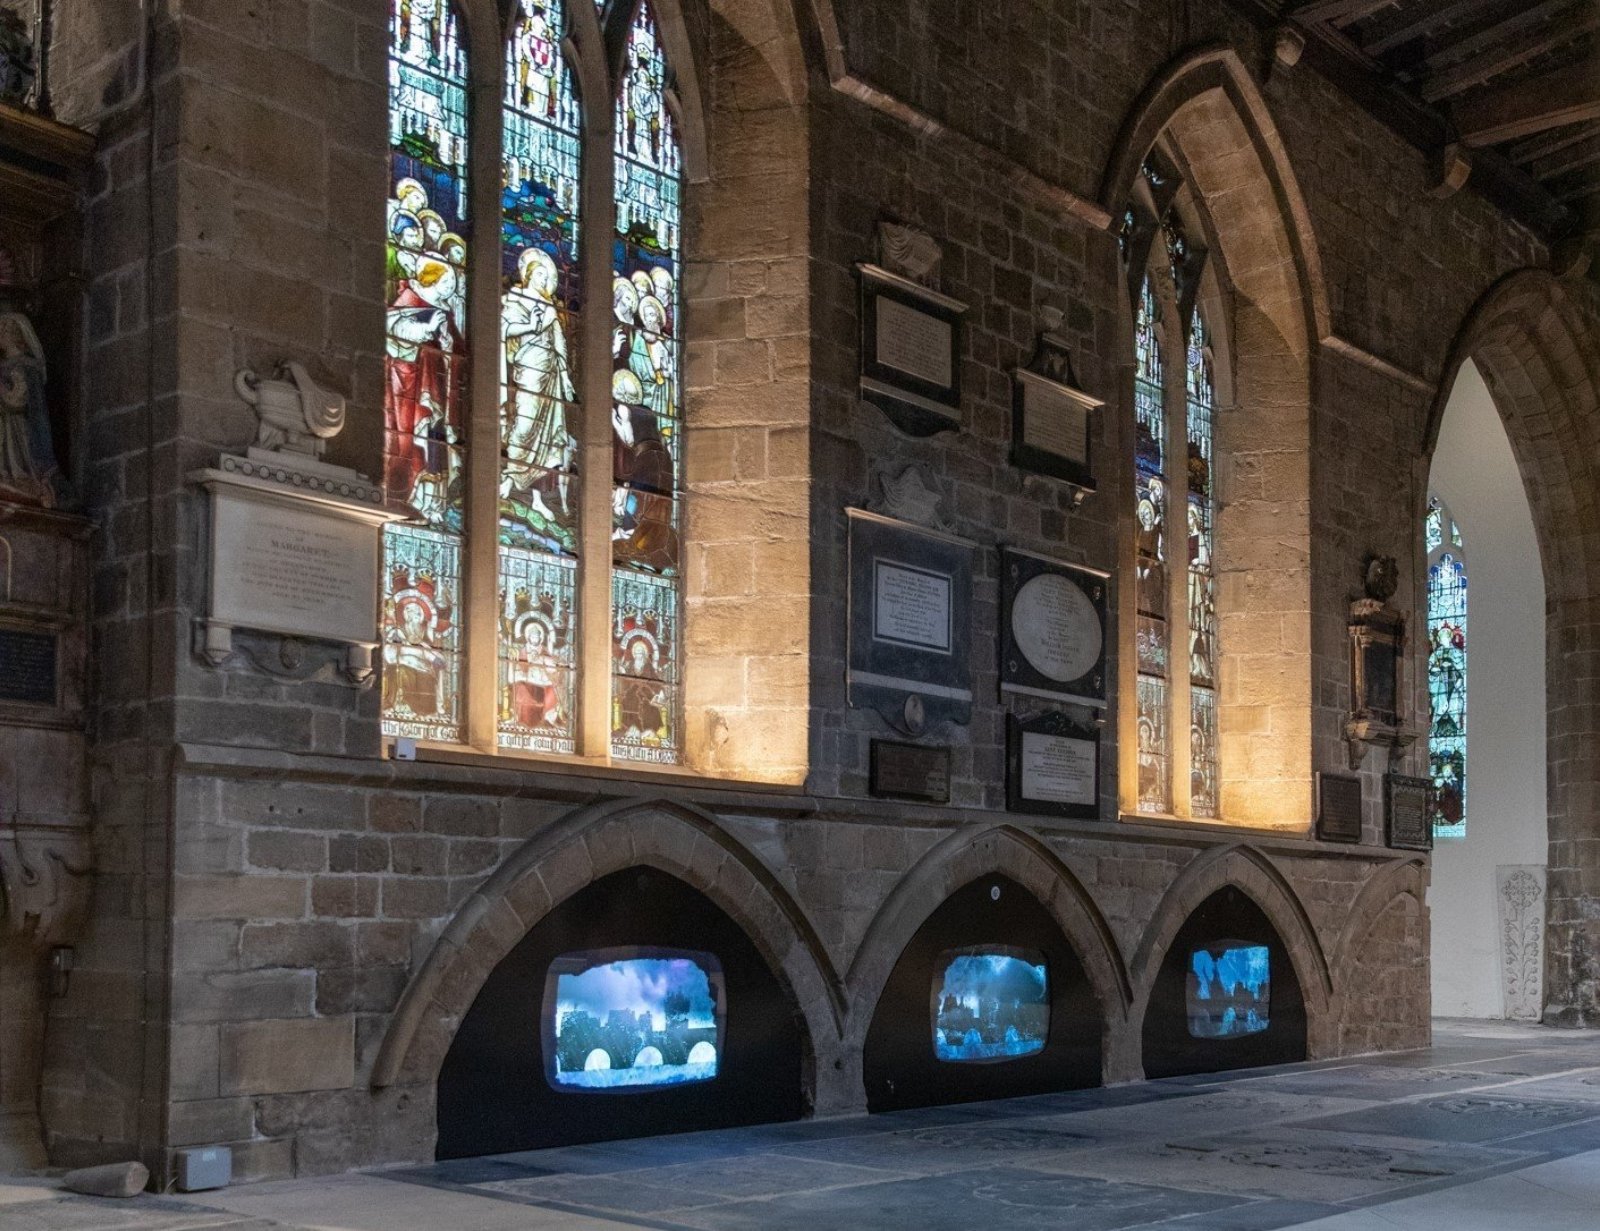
(542, 544)
(1174, 630)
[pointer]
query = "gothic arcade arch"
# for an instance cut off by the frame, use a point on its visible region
(1537, 350)
(588, 844)
(959, 860)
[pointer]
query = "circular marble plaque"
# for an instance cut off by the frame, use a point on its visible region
(1056, 628)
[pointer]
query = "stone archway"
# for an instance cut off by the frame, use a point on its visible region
(1255, 875)
(1209, 119)
(573, 853)
(960, 859)
(1537, 351)
(1393, 905)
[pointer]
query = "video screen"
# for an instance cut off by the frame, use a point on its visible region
(624, 1018)
(990, 1005)
(1230, 990)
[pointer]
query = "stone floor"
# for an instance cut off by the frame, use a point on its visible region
(1495, 1126)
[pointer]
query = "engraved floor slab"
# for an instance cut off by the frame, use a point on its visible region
(1499, 1116)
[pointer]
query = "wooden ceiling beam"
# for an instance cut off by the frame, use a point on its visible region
(1509, 55)
(1338, 12)
(1491, 36)
(1504, 113)
(1539, 147)
(1572, 158)
(1435, 14)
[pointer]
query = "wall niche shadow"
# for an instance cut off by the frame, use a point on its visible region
(1226, 996)
(968, 988)
(502, 1087)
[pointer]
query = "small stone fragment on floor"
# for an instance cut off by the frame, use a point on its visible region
(109, 1180)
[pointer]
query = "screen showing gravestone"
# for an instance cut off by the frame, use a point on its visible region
(990, 1005)
(619, 1019)
(1230, 990)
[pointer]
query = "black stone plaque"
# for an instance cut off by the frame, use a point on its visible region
(1052, 629)
(1406, 812)
(1339, 807)
(910, 771)
(27, 666)
(1052, 766)
(1051, 417)
(910, 623)
(910, 352)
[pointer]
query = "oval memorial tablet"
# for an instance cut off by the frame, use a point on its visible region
(1056, 628)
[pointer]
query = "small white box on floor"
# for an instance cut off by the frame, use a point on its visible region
(203, 1168)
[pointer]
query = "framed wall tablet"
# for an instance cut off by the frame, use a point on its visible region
(919, 772)
(1052, 629)
(1051, 417)
(1406, 813)
(1339, 807)
(910, 352)
(1052, 766)
(910, 620)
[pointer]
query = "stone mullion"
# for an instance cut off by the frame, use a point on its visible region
(482, 462)
(1175, 397)
(594, 436)
(1128, 604)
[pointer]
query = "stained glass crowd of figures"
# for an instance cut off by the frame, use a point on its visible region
(541, 318)
(1447, 672)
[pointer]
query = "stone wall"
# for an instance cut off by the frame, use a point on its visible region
(301, 921)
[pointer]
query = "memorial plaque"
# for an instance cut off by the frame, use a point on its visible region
(910, 352)
(1406, 813)
(1339, 807)
(909, 622)
(1053, 766)
(1052, 628)
(909, 771)
(294, 570)
(28, 667)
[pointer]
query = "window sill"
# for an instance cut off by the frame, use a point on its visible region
(591, 767)
(1173, 821)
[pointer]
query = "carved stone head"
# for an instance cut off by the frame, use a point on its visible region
(1380, 577)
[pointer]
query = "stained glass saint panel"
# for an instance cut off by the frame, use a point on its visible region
(1201, 405)
(647, 434)
(537, 652)
(421, 650)
(1150, 556)
(541, 289)
(426, 365)
(1447, 673)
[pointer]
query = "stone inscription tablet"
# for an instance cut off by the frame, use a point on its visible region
(294, 571)
(27, 666)
(1406, 812)
(910, 771)
(1054, 422)
(1338, 807)
(1056, 627)
(910, 607)
(913, 342)
(1058, 770)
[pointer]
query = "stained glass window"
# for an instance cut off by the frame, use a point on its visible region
(1150, 533)
(646, 406)
(426, 394)
(1202, 632)
(1447, 671)
(540, 325)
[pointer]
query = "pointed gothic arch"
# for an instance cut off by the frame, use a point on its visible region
(574, 852)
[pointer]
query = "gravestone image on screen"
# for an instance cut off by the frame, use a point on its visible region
(1230, 990)
(626, 1018)
(989, 1005)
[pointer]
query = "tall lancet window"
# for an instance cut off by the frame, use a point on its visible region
(502, 597)
(1201, 401)
(1153, 634)
(1172, 708)
(1447, 670)
(540, 330)
(426, 368)
(646, 415)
